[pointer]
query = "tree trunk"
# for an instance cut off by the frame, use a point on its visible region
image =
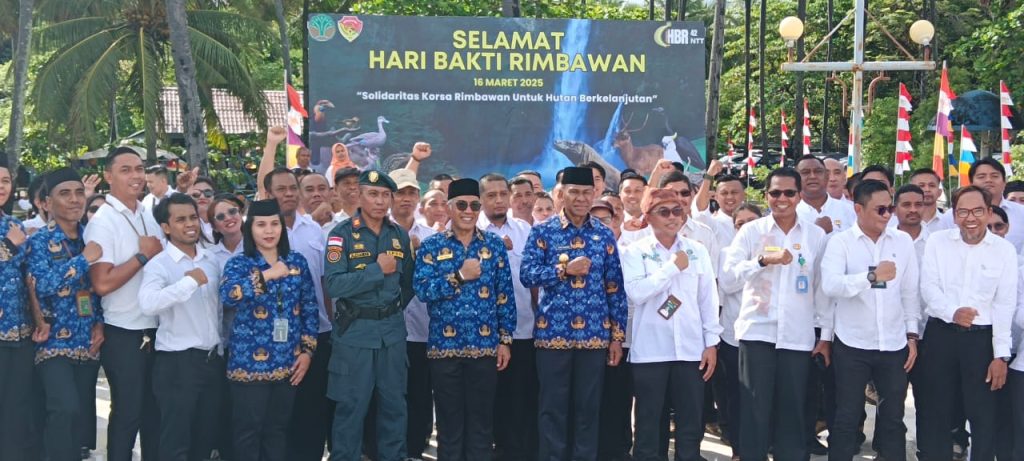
(17, 124)
(510, 8)
(188, 89)
(715, 81)
(282, 25)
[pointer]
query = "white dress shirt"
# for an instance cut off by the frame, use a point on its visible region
(190, 315)
(692, 230)
(842, 214)
(876, 319)
(983, 276)
(650, 277)
(519, 232)
(336, 218)
(1014, 211)
(730, 295)
(772, 308)
(1017, 331)
(150, 201)
(222, 254)
(35, 223)
(117, 230)
(307, 237)
(719, 222)
(417, 317)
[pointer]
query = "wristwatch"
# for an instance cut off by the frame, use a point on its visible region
(872, 277)
(141, 258)
(1004, 359)
(760, 261)
(708, 177)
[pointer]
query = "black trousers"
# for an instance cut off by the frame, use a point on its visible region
(570, 384)
(726, 382)
(616, 427)
(853, 369)
(133, 408)
(821, 397)
(464, 391)
(188, 389)
(515, 413)
(772, 401)
(68, 385)
(313, 412)
(16, 396)
(684, 385)
(1015, 385)
(950, 354)
(419, 398)
(261, 413)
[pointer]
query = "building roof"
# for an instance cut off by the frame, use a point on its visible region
(233, 119)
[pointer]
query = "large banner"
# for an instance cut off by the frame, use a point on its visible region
(505, 95)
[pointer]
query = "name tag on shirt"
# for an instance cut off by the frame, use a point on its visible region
(83, 302)
(802, 284)
(280, 330)
(669, 307)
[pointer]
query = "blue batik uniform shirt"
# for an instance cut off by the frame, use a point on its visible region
(582, 312)
(254, 355)
(61, 273)
(467, 319)
(14, 319)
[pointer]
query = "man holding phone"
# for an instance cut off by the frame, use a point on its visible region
(871, 272)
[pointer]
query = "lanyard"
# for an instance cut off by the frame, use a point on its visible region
(135, 228)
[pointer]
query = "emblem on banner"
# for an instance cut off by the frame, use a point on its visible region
(350, 27)
(320, 27)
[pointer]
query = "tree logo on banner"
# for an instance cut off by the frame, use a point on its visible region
(350, 27)
(321, 27)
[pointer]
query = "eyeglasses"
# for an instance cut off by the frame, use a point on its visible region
(461, 205)
(964, 212)
(813, 172)
(789, 193)
(202, 193)
(685, 193)
(220, 217)
(606, 220)
(666, 212)
(998, 227)
(883, 210)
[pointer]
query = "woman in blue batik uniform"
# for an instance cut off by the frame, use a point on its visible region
(15, 332)
(273, 336)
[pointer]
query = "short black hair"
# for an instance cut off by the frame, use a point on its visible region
(37, 189)
(116, 152)
(724, 178)
(205, 180)
(595, 166)
(784, 172)
(995, 164)
(493, 177)
(631, 174)
(249, 244)
(748, 206)
(809, 157)
(879, 169)
(158, 170)
(852, 182)
(863, 192)
(443, 177)
(162, 211)
(558, 176)
(530, 173)
(987, 197)
(520, 180)
(268, 180)
(907, 189)
(1013, 186)
(674, 176)
(1001, 213)
(921, 171)
(610, 193)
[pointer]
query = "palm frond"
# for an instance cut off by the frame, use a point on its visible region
(238, 82)
(91, 98)
(230, 29)
(63, 10)
(66, 33)
(61, 73)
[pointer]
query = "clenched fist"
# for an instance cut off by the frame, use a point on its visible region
(199, 276)
(16, 235)
(578, 267)
(681, 260)
(885, 271)
(421, 151)
(150, 246)
(387, 263)
(825, 223)
(470, 269)
(277, 270)
(92, 252)
(778, 257)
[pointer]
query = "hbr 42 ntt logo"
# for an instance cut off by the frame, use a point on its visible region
(667, 36)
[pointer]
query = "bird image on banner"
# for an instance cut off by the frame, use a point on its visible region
(785, 140)
(903, 148)
(943, 125)
(967, 151)
(1005, 126)
(295, 115)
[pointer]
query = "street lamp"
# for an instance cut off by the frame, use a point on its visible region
(922, 32)
(791, 28)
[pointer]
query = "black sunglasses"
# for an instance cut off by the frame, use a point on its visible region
(883, 210)
(220, 217)
(461, 205)
(202, 193)
(665, 212)
(789, 193)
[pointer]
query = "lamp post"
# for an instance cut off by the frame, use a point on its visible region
(921, 32)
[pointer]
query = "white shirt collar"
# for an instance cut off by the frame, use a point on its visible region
(177, 255)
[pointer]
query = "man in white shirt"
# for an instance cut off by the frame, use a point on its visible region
(816, 206)
(312, 411)
(159, 186)
(675, 326)
(871, 272)
(129, 238)
(1015, 380)
(931, 187)
(777, 257)
(631, 189)
(523, 198)
(836, 187)
(179, 286)
(515, 412)
(969, 287)
(909, 206)
(989, 174)
(346, 190)
(729, 193)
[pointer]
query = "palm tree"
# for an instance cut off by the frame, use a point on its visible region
(188, 91)
(23, 39)
(98, 47)
(715, 80)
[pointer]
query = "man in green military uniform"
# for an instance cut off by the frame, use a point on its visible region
(369, 273)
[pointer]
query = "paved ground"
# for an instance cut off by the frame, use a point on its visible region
(712, 449)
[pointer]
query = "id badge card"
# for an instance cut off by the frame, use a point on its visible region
(83, 303)
(802, 284)
(280, 330)
(669, 307)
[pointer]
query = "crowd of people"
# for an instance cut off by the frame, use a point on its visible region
(349, 315)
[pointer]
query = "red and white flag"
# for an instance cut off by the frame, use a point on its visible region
(1005, 126)
(785, 140)
(732, 150)
(751, 126)
(903, 147)
(807, 130)
(296, 114)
